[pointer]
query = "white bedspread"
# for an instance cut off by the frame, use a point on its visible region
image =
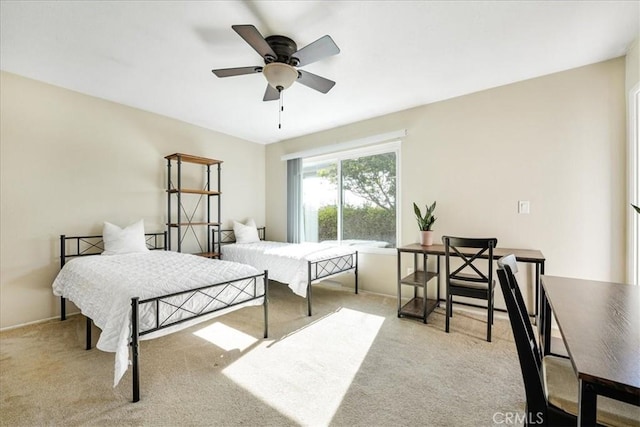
(286, 262)
(102, 287)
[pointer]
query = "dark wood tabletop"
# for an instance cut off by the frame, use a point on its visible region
(600, 325)
(524, 255)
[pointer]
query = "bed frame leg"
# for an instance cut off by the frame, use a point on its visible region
(63, 302)
(309, 288)
(88, 334)
(134, 349)
(356, 272)
(266, 304)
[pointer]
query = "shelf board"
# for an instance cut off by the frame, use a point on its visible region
(417, 278)
(415, 308)
(192, 159)
(184, 224)
(192, 191)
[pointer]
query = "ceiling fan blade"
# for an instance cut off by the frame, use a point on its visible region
(251, 35)
(319, 49)
(271, 94)
(315, 82)
(229, 72)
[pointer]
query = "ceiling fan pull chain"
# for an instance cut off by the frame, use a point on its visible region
(280, 108)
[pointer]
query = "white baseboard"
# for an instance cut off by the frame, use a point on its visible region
(35, 322)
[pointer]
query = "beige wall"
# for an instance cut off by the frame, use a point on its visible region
(557, 141)
(70, 162)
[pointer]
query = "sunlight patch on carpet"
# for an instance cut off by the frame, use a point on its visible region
(226, 337)
(306, 374)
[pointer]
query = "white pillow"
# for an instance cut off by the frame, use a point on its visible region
(123, 240)
(246, 233)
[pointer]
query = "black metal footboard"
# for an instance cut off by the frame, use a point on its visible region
(176, 309)
(329, 267)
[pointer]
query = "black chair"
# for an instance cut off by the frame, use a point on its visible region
(475, 284)
(510, 261)
(551, 386)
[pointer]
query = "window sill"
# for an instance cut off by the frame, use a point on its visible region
(365, 246)
(372, 250)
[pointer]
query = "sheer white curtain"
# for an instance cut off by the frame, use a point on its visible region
(294, 200)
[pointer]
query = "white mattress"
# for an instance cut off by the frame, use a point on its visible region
(102, 287)
(286, 262)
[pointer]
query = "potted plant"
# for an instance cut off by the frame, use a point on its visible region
(425, 223)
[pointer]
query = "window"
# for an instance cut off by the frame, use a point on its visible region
(351, 197)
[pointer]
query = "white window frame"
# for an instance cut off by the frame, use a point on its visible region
(633, 185)
(389, 147)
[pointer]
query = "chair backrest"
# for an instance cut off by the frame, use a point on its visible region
(510, 261)
(526, 345)
(484, 248)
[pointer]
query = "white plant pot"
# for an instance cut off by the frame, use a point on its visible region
(426, 238)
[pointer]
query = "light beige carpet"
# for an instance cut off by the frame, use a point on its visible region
(354, 363)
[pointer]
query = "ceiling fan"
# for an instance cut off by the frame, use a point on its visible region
(282, 59)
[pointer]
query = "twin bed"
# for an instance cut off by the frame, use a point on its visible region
(297, 265)
(147, 294)
(151, 292)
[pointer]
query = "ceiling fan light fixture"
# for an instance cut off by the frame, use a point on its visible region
(280, 75)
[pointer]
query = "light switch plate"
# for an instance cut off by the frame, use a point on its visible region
(523, 206)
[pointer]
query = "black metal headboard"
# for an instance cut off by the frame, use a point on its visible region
(75, 246)
(227, 236)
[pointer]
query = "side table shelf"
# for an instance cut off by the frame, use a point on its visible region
(415, 306)
(418, 280)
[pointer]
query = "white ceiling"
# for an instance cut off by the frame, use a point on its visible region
(158, 55)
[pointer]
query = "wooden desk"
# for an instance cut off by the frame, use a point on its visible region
(600, 327)
(531, 256)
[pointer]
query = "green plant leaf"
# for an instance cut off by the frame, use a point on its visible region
(636, 208)
(425, 222)
(416, 210)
